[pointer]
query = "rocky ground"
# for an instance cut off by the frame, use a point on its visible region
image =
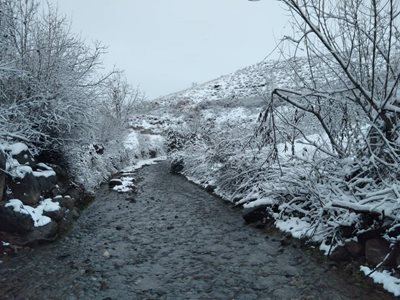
(172, 240)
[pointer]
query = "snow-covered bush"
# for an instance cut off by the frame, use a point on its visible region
(349, 92)
(92, 164)
(52, 80)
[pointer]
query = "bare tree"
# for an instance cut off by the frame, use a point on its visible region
(349, 74)
(122, 97)
(51, 90)
(118, 105)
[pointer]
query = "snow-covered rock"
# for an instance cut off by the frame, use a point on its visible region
(36, 213)
(20, 152)
(24, 185)
(14, 221)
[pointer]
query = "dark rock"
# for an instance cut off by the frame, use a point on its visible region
(75, 192)
(340, 254)
(14, 222)
(210, 188)
(114, 182)
(346, 231)
(394, 232)
(63, 256)
(75, 213)
(82, 198)
(131, 199)
(285, 241)
(85, 199)
(55, 191)
(370, 234)
(42, 233)
(62, 175)
(99, 149)
(47, 180)
(26, 189)
(66, 201)
(57, 215)
(355, 249)
(177, 166)
(2, 174)
(153, 154)
(236, 199)
(376, 250)
(256, 214)
(66, 223)
(53, 158)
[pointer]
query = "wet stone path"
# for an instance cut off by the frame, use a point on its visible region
(174, 241)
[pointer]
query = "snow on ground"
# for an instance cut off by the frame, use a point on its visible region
(389, 282)
(258, 202)
(141, 163)
(297, 227)
(304, 148)
(247, 82)
(127, 182)
(234, 116)
(140, 145)
(126, 185)
(36, 214)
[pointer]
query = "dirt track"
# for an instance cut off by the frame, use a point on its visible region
(173, 241)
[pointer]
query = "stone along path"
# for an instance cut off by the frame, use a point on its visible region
(172, 241)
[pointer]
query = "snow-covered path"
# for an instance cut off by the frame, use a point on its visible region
(172, 241)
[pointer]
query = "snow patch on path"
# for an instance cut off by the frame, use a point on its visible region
(140, 164)
(127, 182)
(126, 185)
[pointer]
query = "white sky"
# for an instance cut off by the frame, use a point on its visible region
(165, 45)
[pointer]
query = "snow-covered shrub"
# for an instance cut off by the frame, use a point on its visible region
(54, 96)
(349, 91)
(215, 150)
(92, 164)
(89, 167)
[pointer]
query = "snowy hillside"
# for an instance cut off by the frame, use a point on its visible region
(247, 82)
(250, 82)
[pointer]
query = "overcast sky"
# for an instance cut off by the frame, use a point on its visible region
(165, 45)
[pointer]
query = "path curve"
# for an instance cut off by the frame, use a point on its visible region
(174, 241)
